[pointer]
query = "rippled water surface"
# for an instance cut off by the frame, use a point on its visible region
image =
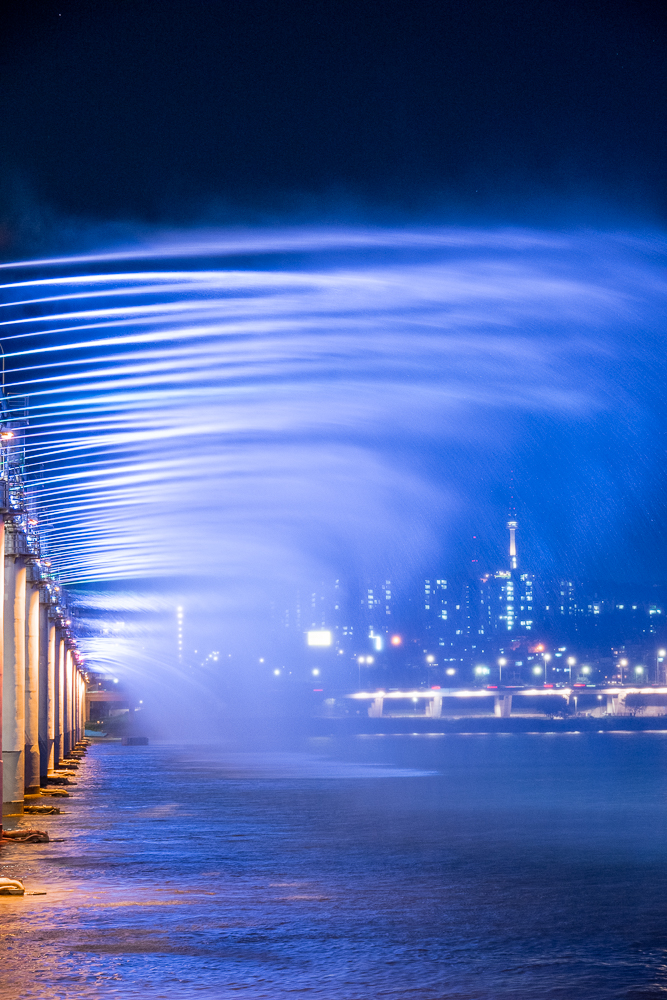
(462, 866)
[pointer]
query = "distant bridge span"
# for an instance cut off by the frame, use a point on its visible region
(502, 698)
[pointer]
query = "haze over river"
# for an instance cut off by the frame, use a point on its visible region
(446, 865)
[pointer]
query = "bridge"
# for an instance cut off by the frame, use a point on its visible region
(42, 675)
(612, 697)
(43, 680)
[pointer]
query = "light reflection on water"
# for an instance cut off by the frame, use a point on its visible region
(350, 868)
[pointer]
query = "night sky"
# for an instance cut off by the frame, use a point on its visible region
(186, 110)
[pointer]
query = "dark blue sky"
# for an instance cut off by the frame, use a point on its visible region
(184, 109)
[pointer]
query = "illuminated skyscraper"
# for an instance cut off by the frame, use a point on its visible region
(437, 612)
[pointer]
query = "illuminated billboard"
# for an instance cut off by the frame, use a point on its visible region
(320, 637)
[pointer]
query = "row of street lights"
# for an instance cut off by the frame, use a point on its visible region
(481, 670)
(546, 657)
(639, 670)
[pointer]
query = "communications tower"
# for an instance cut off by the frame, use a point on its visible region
(513, 525)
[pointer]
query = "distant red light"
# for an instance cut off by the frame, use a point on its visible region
(579, 685)
(492, 687)
(548, 685)
(435, 687)
(318, 689)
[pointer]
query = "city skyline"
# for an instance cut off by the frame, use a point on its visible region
(462, 625)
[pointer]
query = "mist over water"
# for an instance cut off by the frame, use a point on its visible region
(220, 418)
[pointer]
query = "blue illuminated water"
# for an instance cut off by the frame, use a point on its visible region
(444, 866)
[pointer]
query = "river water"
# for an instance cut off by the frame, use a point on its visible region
(366, 866)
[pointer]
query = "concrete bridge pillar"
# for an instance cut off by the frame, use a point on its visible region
(79, 732)
(13, 685)
(47, 694)
(67, 714)
(60, 690)
(71, 699)
(77, 705)
(435, 707)
(375, 708)
(75, 702)
(616, 703)
(32, 785)
(82, 705)
(502, 706)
